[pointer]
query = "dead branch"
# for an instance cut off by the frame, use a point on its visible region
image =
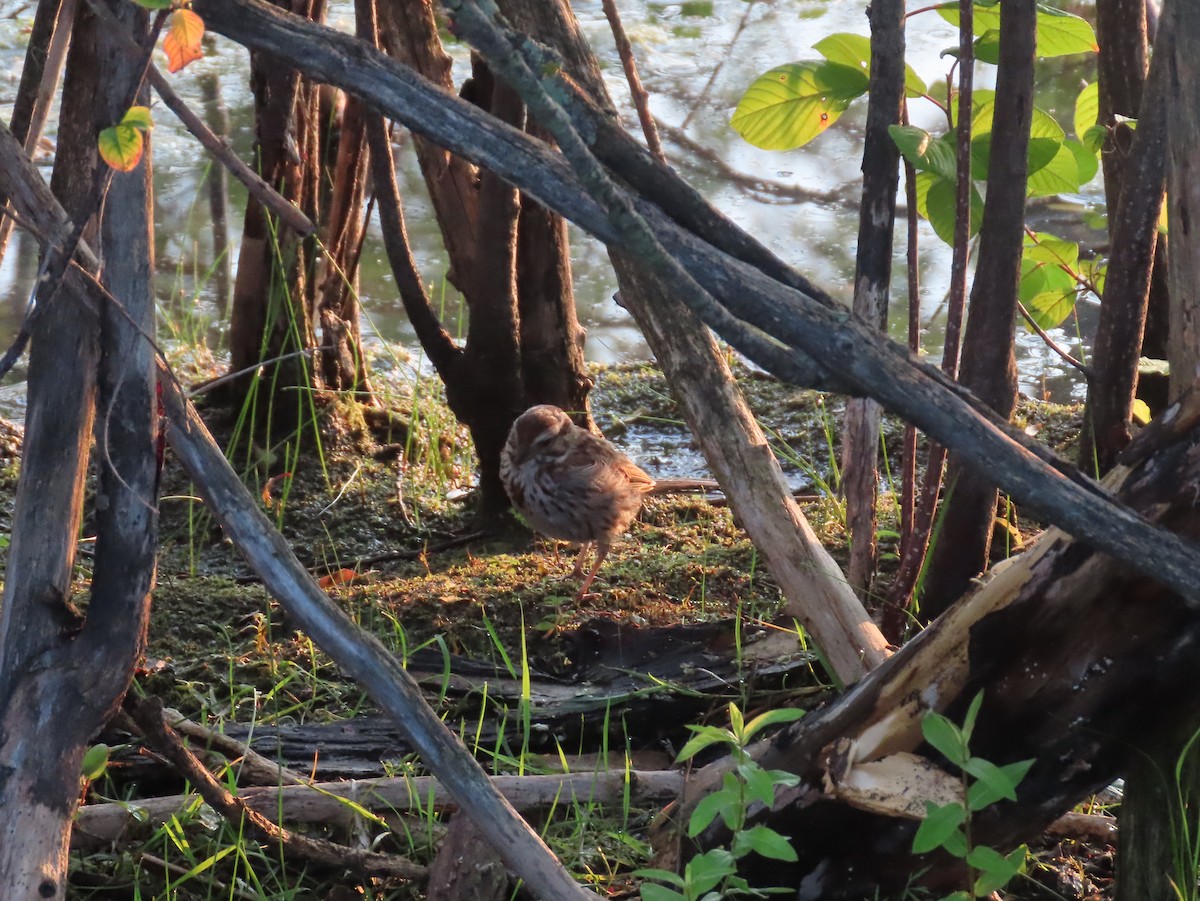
(149, 715)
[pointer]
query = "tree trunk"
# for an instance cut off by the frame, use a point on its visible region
(872, 277)
(1113, 376)
(1121, 32)
(1080, 707)
(342, 364)
(270, 317)
(989, 368)
(62, 675)
(1183, 193)
(510, 259)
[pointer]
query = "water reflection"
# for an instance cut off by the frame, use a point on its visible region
(802, 204)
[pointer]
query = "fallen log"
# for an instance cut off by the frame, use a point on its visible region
(653, 681)
(341, 803)
(1080, 659)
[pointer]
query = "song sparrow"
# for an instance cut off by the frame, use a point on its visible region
(571, 484)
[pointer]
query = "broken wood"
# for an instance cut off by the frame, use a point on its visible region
(1076, 654)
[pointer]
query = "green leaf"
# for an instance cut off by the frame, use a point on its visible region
(138, 117)
(941, 821)
(936, 199)
(1093, 137)
(784, 778)
(992, 776)
(707, 810)
(1042, 278)
(155, 4)
(661, 875)
(95, 762)
(996, 870)
(1044, 247)
(652, 892)
(1051, 308)
(790, 105)
(1058, 33)
(737, 723)
(854, 51)
(987, 47)
(759, 784)
(1059, 176)
(1045, 139)
(981, 794)
(764, 841)
(705, 736)
(924, 151)
(1087, 108)
(968, 725)
(705, 870)
(771, 718)
(1086, 162)
(945, 737)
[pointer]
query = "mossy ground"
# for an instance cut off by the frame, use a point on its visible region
(382, 524)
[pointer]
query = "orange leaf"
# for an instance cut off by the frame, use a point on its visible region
(182, 43)
(342, 577)
(267, 498)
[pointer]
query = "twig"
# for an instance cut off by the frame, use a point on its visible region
(1051, 343)
(52, 65)
(745, 20)
(360, 563)
(268, 196)
(762, 188)
(288, 213)
(257, 768)
(641, 100)
(149, 715)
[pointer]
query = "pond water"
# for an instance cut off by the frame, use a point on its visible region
(801, 203)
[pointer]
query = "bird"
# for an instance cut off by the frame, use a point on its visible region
(571, 484)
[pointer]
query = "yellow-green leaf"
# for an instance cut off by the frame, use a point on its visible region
(1049, 310)
(854, 51)
(138, 117)
(1087, 108)
(790, 105)
(121, 147)
(1140, 411)
(1058, 33)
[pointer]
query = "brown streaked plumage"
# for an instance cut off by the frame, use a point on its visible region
(571, 484)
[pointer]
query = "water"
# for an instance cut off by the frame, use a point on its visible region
(802, 203)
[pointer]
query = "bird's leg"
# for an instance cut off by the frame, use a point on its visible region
(601, 553)
(577, 572)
